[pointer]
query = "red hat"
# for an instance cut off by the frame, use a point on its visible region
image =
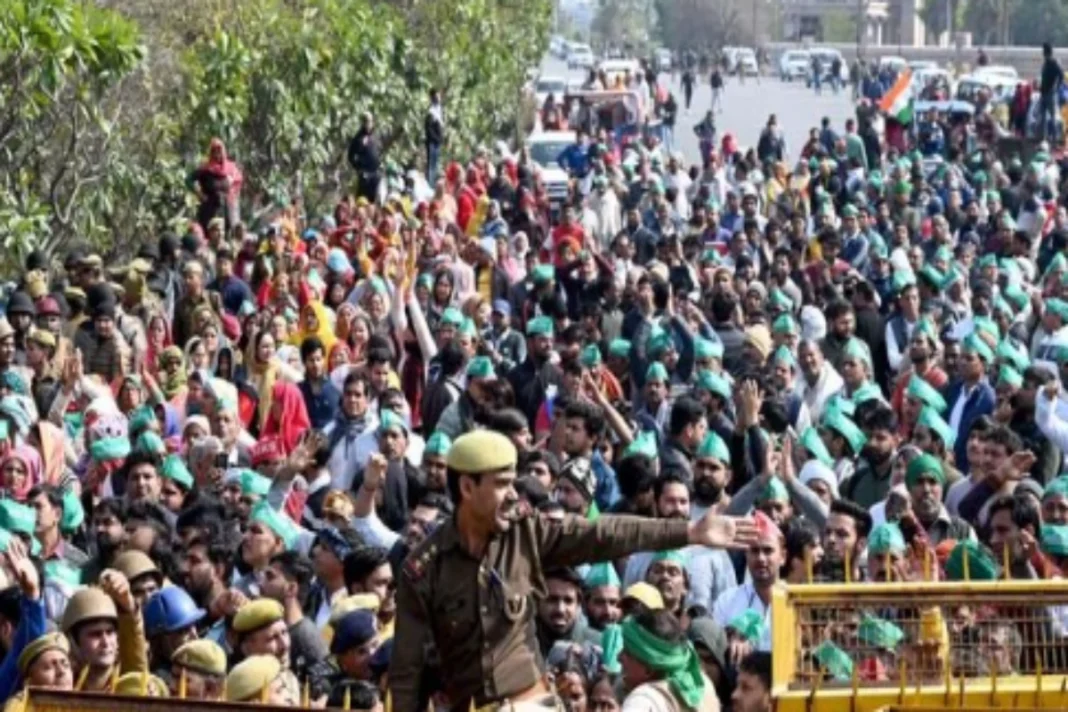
(48, 306)
(766, 526)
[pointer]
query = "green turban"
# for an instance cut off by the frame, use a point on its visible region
(714, 448)
(602, 574)
(677, 662)
(811, 441)
(924, 392)
(749, 625)
(969, 555)
(886, 539)
(925, 464)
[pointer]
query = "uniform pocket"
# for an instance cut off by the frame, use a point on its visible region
(515, 603)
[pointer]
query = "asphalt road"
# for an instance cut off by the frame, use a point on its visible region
(746, 107)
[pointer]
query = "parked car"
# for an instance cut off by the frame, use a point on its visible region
(745, 62)
(580, 57)
(794, 64)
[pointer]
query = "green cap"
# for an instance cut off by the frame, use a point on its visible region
(389, 420)
(879, 633)
(675, 556)
(773, 491)
(149, 442)
(437, 444)
(902, 279)
(705, 348)
(924, 392)
(1058, 486)
(857, 350)
(468, 328)
(452, 317)
(713, 447)
(834, 660)
(973, 344)
(886, 539)
(602, 574)
(779, 300)
(933, 276)
(659, 342)
(845, 427)
(927, 327)
(543, 274)
(988, 325)
(656, 373)
(1008, 374)
(784, 324)
(644, 443)
(254, 483)
(1058, 307)
(590, 357)
(1009, 352)
(838, 403)
(867, 391)
(749, 625)
(930, 419)
(480, 367)
(174, 469)
(141, 417)
(1054, 539)
(620, 348)
(784, 355)
(73, 512)
(925, 464)
(540, 326)
(280, 524)
(980, 564)
(988, 260)
(714, 383)
(811, 441)
(17, 518)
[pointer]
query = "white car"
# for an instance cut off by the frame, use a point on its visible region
(663, 59)
(827, 56)
(745, 62)
(545, 148)
(580, 57)
(557, 86)
(794, 64)
(614, 69)
(998, 70)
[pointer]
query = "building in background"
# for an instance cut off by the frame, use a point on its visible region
(885, 22)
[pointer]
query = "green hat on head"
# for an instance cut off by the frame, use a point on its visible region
(774, 491)
(149, 442)
(452, 317)
(254, 483)
(675, 556)
(73, 512)
(710, 256)
(838, 403)
(886, 539)
(659, 342)
(713, 447)
(543, 274)
(602, 574)
(981, 566)
(437, 444)
(974, 344)
(425, 280)
(988, 325)
(1057, 264)
(1017, 357)
(142, 417)
(902, 279)
(834, 660)
(705, 348)
(749, 625)
(389, 420)
(902, 187)
(868, 391)
(925, 464)
(924, 392)
(811, 441)
(480, 367)
(930, 419)
(17, 518)
(468, 328)
(714, 383)
(620, 348)
(849, 212)
(1009, 375)
(784, 324)
(174, 469)
(879, 633)
(278, 523)
(540, 326)
(644, 443)
(927, 327)
(1054, 539)
(779, 300)
(656, 373)
(590, 357)
(784, 355)
(857, 350)
(1058, 307)
(933, 276)
(845, 427)
(1058, 486)
(988, 260)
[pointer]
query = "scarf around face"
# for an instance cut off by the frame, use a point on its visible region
(678, 662)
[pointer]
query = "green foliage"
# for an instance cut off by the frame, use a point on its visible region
(700, 24)
(97, 136)
(1036, 21)
(934, 15)
(840, 26)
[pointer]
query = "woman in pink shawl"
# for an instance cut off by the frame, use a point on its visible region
(20, 471)
(217, 182)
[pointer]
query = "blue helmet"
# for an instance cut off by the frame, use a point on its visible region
(169, 610)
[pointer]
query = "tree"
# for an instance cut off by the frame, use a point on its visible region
(934, 15)
(840, 26)
(622, 23)
(1036, 21)
(696, 24)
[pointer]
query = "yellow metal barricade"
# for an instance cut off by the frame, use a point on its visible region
(920, 646)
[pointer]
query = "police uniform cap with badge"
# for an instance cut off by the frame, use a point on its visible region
(253, 680)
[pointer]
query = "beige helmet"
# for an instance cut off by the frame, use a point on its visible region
(86, 605)
(133, 564)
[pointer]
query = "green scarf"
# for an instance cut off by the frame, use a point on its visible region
(678, 662)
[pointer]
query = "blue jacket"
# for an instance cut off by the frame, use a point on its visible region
(322, 407)
(980, 402)
(31, 627)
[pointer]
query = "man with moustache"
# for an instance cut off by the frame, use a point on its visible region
(711, 476)
(602, 596)
(763, 559)
(574, 488)
(710, 571)
(925, 479)
(467, 589)
(845, 536)
(922, 350)
(559, 612)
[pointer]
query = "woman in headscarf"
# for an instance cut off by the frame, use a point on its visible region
(173, 376)
(442, 297)
(775, 187)
(20, 471)
(263, 370)
(158, 337)
(288, 417)
(494, 225)
(50, 443)
(196, 354)
(314, 321)
(223, 365)
(217, 183)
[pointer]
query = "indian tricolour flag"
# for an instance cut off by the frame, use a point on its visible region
(897, 103)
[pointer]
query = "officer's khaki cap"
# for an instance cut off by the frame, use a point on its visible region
(257, 614)
(86, 605)
(48, 641)
(202, 656)
(247, 680)
(132, 684)
(355, 602)
(133, 564)
(43, 337)
(481, 451)
(645, 593)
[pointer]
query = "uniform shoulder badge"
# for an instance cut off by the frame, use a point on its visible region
(416, 564)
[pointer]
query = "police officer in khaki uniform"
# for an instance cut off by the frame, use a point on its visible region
(202, 664)
(468, 588)
(259, 679)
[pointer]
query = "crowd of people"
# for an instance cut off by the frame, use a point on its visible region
(376, 457)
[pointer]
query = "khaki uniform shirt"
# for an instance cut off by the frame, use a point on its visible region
(479, 614)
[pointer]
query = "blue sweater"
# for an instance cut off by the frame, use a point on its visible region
(31, 627)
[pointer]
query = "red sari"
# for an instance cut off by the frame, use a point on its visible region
(288, 419)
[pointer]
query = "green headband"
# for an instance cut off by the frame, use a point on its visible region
(678, 662)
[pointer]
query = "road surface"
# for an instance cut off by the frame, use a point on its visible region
(746, 108)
